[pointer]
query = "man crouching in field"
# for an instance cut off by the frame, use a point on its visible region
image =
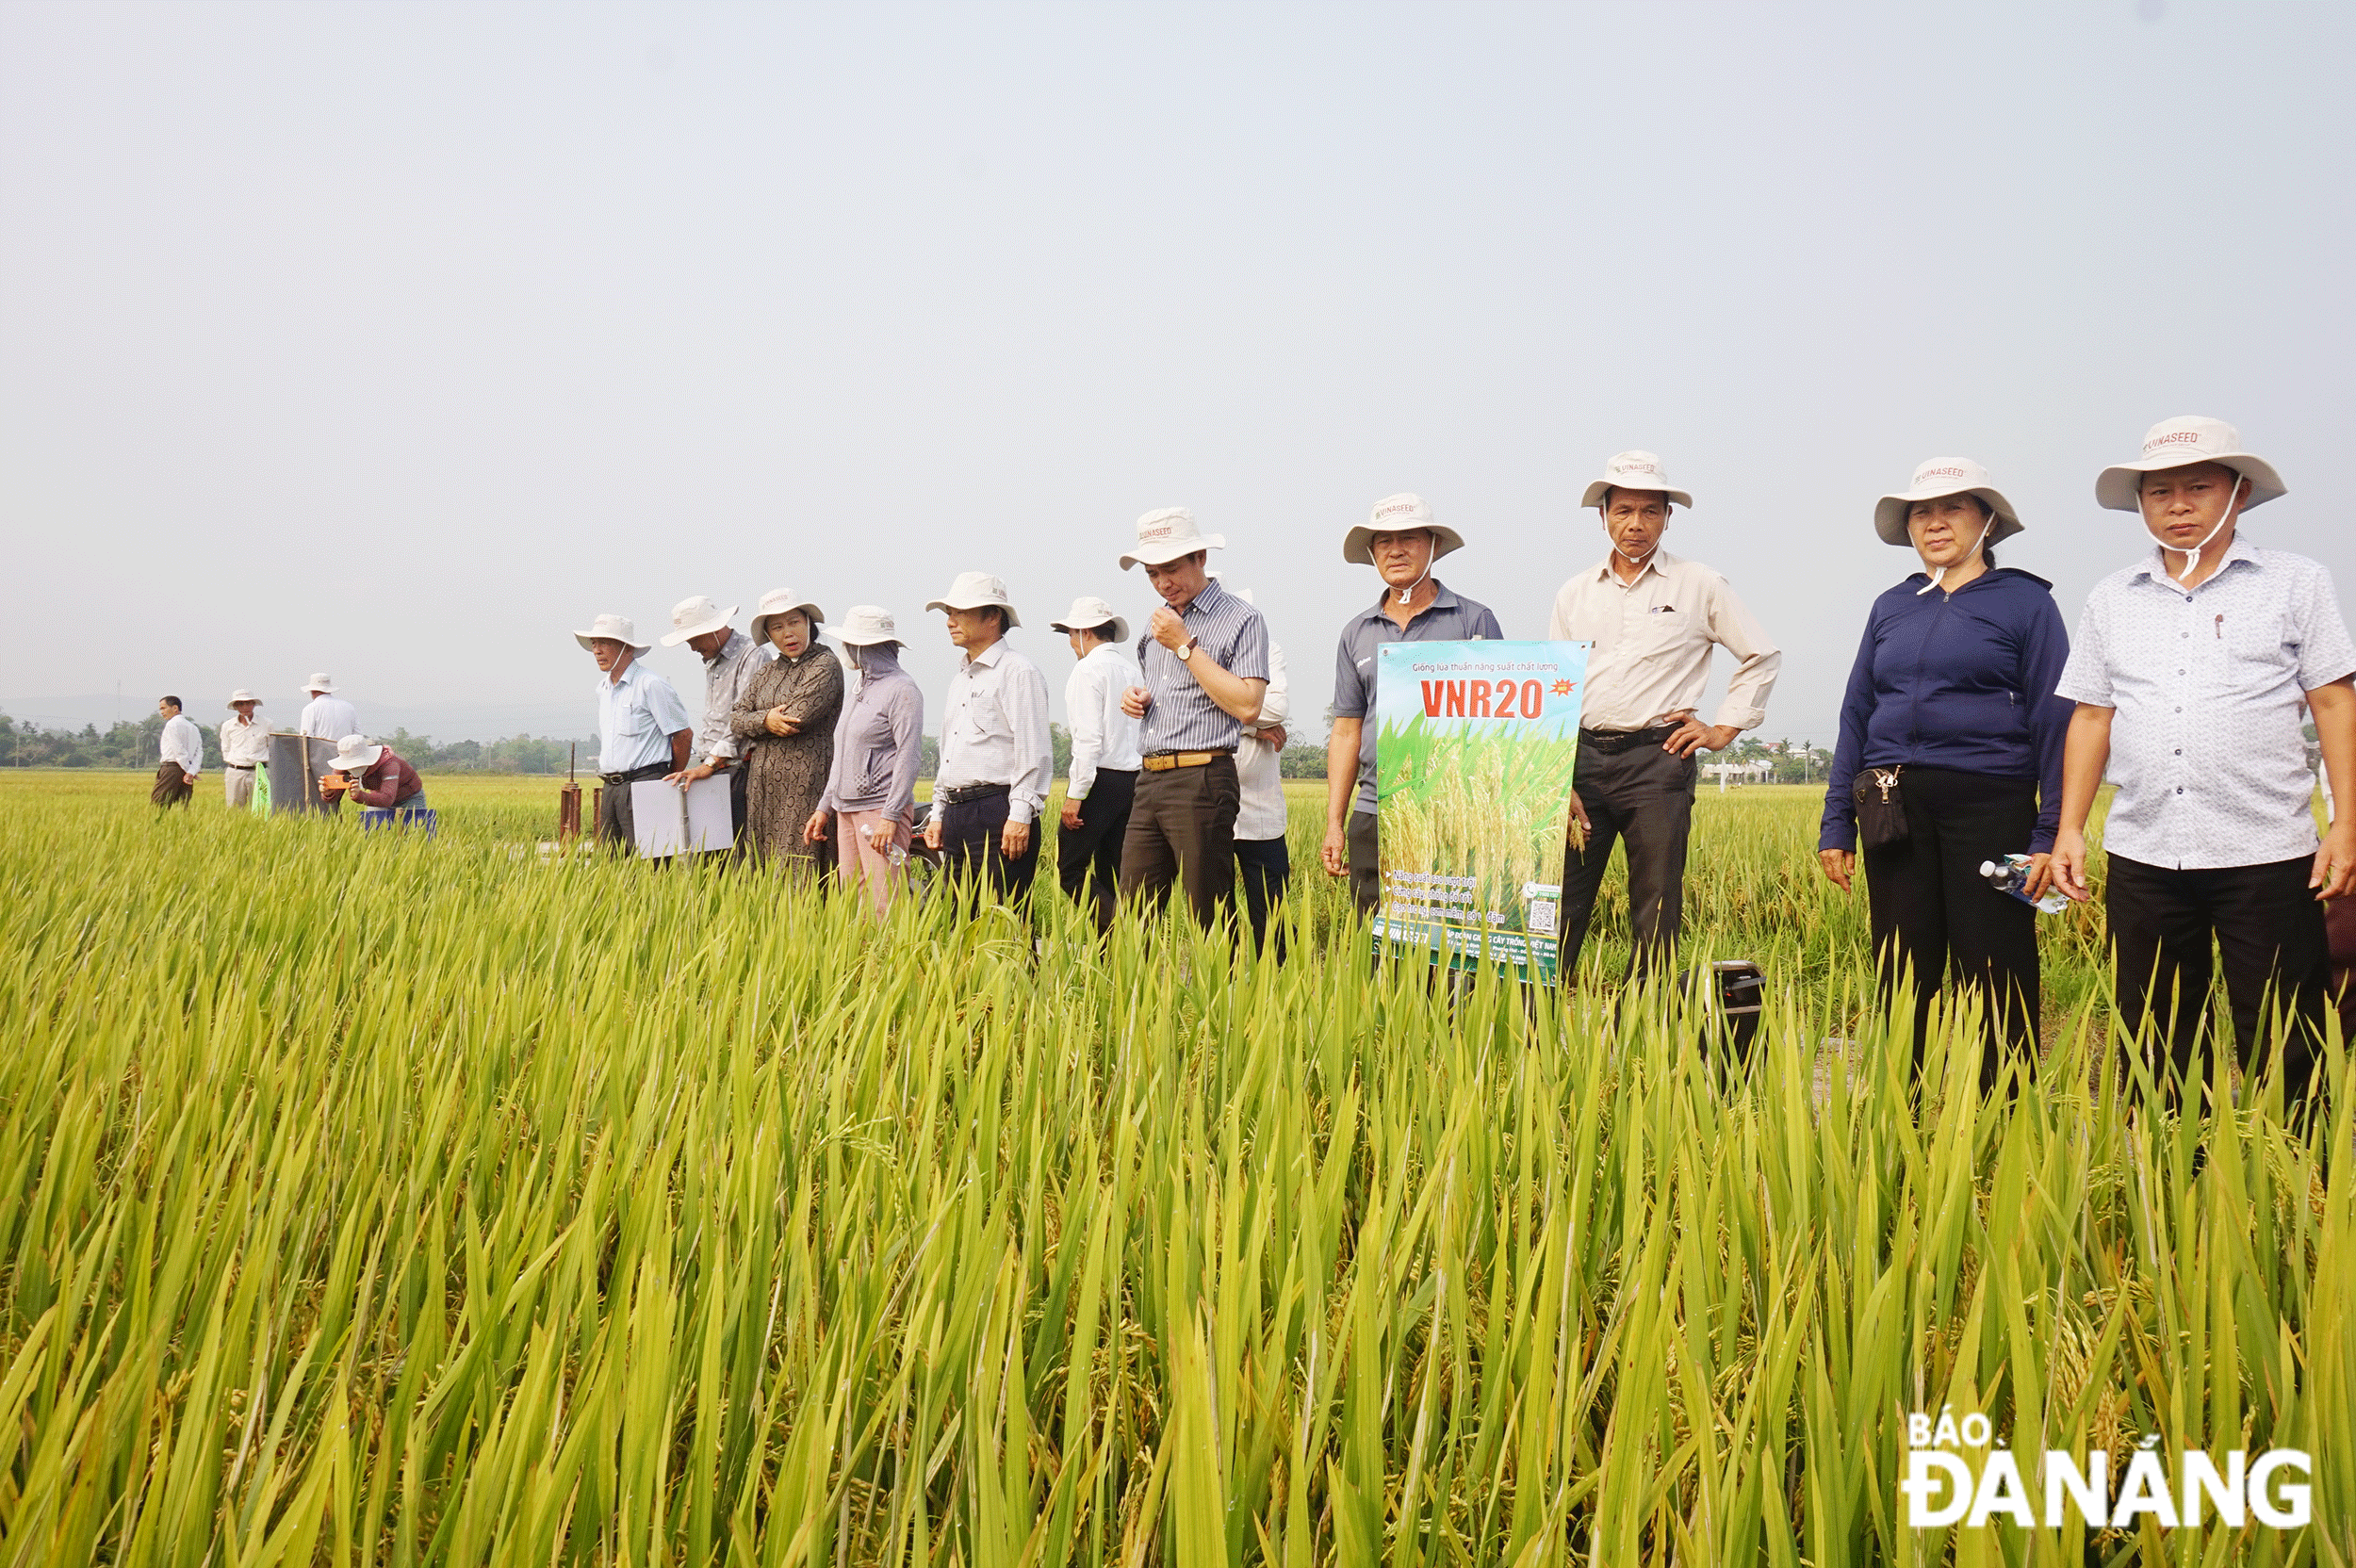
(2189, 670)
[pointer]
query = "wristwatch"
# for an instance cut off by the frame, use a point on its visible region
(1187, 652)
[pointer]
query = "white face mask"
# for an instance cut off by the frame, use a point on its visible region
(1941, 576)
(2192, 556)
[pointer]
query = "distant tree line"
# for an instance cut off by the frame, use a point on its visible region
(126, 744)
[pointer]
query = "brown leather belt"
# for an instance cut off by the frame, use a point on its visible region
(1164, 760)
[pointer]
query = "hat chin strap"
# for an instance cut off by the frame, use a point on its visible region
(2192, 556)
(1941, 576)
(1408, 593)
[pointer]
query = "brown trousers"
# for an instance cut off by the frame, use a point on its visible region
(1182, 833)
(172, 785)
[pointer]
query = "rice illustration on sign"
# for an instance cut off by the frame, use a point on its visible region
(1475, 745)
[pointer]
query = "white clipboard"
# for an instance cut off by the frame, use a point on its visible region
(672, 821)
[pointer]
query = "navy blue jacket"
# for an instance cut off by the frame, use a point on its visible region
(1962, 680)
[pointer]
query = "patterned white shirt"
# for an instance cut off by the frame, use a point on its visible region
(1259, 769)
(2209, 687)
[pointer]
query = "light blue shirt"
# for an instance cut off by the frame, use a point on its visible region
(2208, 685)
(637, 715)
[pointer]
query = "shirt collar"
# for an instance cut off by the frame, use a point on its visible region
(1444, 600)
(628, 675)
(734, 648)
(1658, 562)
(2154, 566)
(988, 657)
(1212, 596)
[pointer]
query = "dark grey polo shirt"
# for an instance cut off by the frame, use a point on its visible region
(1448, 618)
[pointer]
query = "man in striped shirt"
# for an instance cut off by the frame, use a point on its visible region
(1205, 657)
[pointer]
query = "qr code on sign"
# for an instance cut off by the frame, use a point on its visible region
(1542, 916)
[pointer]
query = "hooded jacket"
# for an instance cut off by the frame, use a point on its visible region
(1963, 681)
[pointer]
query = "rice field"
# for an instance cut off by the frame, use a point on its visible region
(377, 1202)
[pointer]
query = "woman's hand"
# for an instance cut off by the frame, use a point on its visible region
(2068, 864)
(814, 830)
(778, 723)
(1840, 866)
(2041, 878)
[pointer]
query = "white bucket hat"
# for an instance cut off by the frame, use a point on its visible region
(1165, 536)
(242, 694)
(866, 626)
(1935, 477)
(974, 590)
(2179, 443)
(353, 753)
(1633, 471)
(777, 601)
(1088, 612)
(695, 616)
(1394, 514)
(320, 683)
(620, 628)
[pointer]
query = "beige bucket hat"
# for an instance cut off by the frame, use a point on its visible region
(695, 616)
(1935, 477)
(620, 628)
(2179, 443)
(777, 601)
(1394, 514)
(1087, 613)
(1165, 535)
(242, 694)
(319, 682)
(352, 754)
(867, 625)
(974, 590)
(1633, 471)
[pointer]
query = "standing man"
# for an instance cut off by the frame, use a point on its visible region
(641, 726)
(327, 716)
(1102, 782)
(730, 661)
(1264, 863)
(1205, 659)
(1654, 619)
(2189, 671)
(1400, 540)
(244, 747)
(183, 746)
(996, 756)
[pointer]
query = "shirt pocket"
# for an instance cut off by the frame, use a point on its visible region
(1661, 630)
(985, 715)
(2248, 652)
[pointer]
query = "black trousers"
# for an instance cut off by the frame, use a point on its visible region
(617, 824)
(739, 797)
(2269, 931)
(1365, 860)
(1182, 833)
(1263, 868)
(1936, 920)
(1087, 858)
(1646, 797)
(973, 856)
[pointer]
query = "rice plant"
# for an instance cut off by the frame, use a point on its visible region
(379, 1202)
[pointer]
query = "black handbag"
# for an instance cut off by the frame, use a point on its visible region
(1881, 809)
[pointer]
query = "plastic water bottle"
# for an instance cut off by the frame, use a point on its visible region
(893, 853)
(2011, 874)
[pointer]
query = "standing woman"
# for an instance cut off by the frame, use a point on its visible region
(871, 797)
(785, 722)
(1951, 753)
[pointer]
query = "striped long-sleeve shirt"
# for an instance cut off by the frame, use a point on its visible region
(1182, 716)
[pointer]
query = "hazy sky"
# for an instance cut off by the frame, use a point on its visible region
(401, 340)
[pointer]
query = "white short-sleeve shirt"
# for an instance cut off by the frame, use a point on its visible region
(2209, 685)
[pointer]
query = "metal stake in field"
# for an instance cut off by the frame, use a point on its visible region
(568, 801)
